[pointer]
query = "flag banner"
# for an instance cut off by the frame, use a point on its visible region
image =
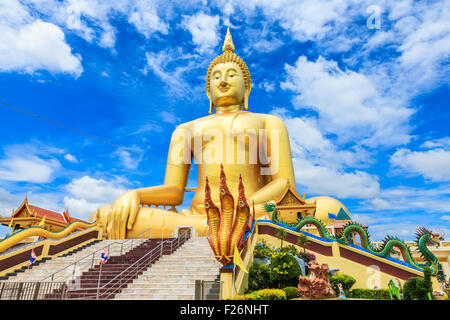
(332, 216)
(66, 220)
(104, 256)
(41, 224)
(32, 258)
(237, 259)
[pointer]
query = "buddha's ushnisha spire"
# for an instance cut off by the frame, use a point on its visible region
(228, 45)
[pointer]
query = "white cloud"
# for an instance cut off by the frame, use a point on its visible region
(317, 159)
(25, 163)
(431, 164)
(87, 194)
(8, 201)
(410, 199)
(305, 20)
(127, 160)
(322, 180)
(169, 117)
(143, 15)
(267, 86)
(71, 158)
(437, 143)
(29, 45)
(430, 40)
(203, 29)
(348, 103)
(170, 66)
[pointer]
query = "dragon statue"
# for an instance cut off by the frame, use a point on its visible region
(424, 237)
(228, 228)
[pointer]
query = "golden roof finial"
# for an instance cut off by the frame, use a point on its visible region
(228, 45)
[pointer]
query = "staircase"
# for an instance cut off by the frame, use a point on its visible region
(39, 271)
(105, 281)
(173, 276)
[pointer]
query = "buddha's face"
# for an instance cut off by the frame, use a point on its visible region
(227, 85)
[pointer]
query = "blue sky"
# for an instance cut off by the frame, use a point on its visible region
(361, 85)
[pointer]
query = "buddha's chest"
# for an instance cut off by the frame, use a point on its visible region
(228, 128)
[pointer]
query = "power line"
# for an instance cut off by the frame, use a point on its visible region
(71, 129)
(90, 136)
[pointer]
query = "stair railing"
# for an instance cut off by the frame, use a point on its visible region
(93, 258)
(110, 289)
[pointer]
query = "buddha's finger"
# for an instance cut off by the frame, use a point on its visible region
(133, 213)
(117, 222)
(123, 221)
(114, 223)
(109, 223)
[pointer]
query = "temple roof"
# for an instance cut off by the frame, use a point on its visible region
(27, 210)
(342, 215)
(290, 197)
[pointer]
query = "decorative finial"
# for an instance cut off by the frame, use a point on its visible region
(228, 45)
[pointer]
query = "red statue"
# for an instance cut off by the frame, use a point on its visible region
(317, 285)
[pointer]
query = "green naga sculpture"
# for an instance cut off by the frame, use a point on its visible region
(424, 237)
(394, 290)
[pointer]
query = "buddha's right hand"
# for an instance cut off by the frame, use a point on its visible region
(122, 215)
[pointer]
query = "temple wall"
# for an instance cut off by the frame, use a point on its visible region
(368, 269)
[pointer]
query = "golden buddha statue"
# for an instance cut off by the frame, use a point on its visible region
(255, 146)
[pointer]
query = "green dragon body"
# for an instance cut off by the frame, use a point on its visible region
(424, 237)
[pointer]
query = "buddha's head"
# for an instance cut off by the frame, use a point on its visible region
(228, 80)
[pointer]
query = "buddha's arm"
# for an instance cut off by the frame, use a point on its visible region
(177, 172)
(123, 211)
(280, 166)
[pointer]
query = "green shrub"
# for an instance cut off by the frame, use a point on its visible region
(290, 249)
(373, 294)
(291, 292)
(262, 250)
(259, 276)
(345, 280)
(266, 294)
(418, 288)
(284, 270)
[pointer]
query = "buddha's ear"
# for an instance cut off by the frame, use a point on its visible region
(246, 95)
(210, 102)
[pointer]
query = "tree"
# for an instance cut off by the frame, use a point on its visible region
(281, 234)
(302, 241)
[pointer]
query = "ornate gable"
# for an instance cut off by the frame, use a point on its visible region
(24, 210)
(290, 198)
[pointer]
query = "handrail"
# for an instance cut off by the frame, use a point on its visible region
(93, 254)
(132, 270)
(23, 290)
(30, 244)
(16, 237)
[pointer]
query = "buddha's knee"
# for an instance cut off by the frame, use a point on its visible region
(100, 215)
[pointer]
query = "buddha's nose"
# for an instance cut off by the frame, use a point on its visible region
(223, 84)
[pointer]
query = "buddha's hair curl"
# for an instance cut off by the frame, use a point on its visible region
(229, 57)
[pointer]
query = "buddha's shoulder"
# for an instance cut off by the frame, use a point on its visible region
(269, 119)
